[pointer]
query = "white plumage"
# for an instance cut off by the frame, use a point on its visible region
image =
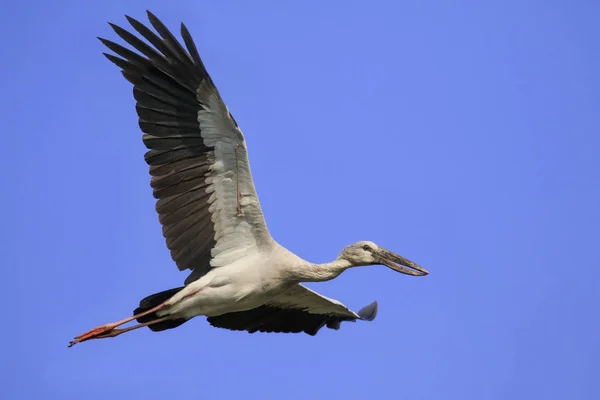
(212, 221)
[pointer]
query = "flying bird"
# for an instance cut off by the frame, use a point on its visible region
(241, 278)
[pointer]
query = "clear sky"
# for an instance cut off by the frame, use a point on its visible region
(464, 135)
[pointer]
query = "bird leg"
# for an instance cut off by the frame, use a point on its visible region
(116, 332)
(106, 329)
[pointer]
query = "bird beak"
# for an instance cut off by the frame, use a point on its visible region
(399, 263)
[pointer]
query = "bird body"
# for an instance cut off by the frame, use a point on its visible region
(244, 284)
(212, 221)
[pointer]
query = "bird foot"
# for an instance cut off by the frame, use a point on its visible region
(92, 334)
(109, 330)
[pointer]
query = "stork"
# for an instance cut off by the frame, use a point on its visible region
(241, 278)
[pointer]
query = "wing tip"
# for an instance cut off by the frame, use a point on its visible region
(368, 313)
(150, 15)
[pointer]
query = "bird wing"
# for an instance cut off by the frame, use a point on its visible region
(206, 200)
(297, 310)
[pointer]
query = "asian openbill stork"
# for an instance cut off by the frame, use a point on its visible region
(241, 279)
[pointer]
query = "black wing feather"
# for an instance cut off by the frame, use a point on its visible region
(274, 319)
(169, 85)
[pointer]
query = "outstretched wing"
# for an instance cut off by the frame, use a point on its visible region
(206, 200)
(297, 310)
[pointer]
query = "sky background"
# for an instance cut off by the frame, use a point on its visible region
(465, 135)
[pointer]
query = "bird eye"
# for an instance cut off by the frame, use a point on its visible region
(366, 247)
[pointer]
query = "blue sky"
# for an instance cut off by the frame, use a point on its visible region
(462, 134)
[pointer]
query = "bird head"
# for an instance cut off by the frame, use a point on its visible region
(368, 253)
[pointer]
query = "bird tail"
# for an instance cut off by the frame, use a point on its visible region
(152, 301)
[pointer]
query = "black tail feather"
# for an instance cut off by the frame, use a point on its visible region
(152, 301)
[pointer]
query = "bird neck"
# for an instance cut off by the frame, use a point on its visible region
(308, 272)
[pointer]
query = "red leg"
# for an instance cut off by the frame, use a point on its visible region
(117, 332)
(103, 330)
(190, 294)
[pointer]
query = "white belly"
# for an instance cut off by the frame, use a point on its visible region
(226, 289)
